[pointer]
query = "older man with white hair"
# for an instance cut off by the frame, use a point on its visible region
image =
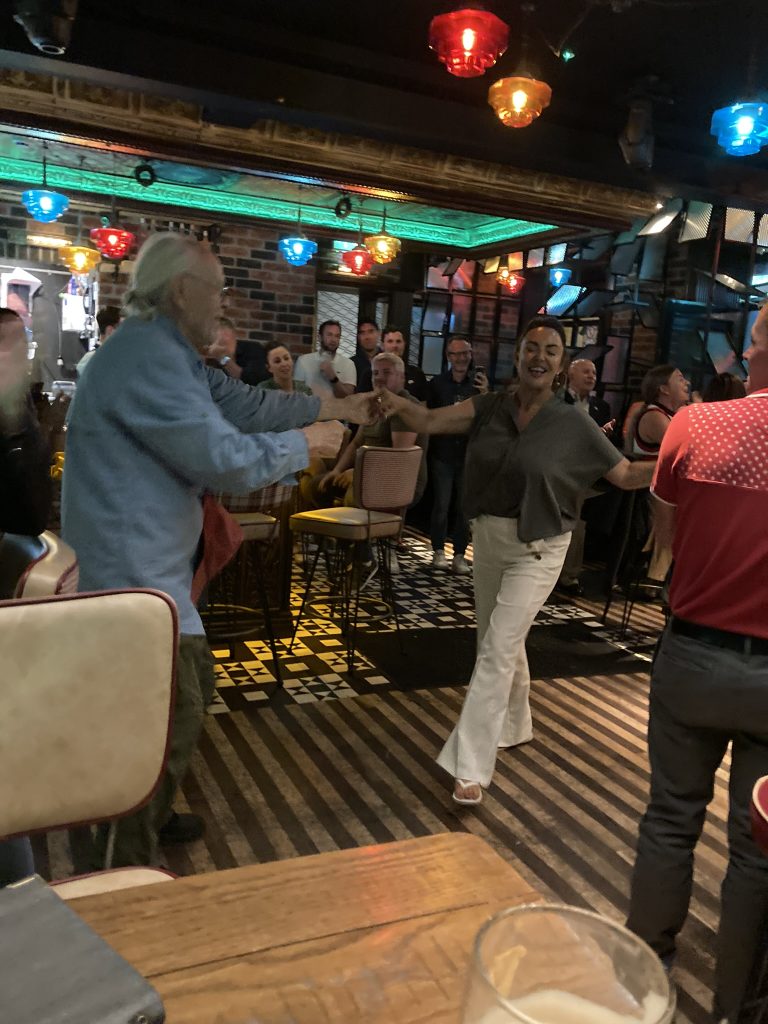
(337, 484)
(151, 429)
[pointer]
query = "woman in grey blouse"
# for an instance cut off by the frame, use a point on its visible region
(529, 458)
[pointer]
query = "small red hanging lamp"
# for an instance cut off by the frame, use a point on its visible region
(510, 280)
(359, 260)
(468, 41)
(113, 243)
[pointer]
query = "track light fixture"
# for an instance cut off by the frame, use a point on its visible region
(48, 23)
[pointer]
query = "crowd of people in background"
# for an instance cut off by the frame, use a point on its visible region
(513, 468)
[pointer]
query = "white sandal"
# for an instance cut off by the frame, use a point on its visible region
(465, 785)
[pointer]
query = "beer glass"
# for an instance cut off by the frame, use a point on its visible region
(553, 964)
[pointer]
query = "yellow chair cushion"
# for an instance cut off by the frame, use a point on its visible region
(353, 524)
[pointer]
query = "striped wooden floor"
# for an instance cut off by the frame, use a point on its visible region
(283, 782)
(277, 783)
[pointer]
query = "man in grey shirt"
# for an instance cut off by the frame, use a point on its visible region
(151, 429)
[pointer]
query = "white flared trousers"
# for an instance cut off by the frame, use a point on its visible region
(512, 581)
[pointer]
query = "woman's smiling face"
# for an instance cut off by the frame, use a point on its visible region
(540, 358)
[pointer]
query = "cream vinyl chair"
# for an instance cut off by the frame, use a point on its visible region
(36, 566)
(88, 690)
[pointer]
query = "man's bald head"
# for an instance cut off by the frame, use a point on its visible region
(582, 376)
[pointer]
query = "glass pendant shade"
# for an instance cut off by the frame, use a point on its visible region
(297, 249)
(469, 41)
(518, 101)
(359, 260)
(79, 259)
(510, 280)
(559, 275)
(113, 243)
(742, 128)
(383, 248)
(43, 205)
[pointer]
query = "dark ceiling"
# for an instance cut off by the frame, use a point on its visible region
(364, 68)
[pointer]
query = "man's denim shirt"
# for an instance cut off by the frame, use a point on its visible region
(150, 429)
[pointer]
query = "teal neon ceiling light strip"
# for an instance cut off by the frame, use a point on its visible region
(30, 173)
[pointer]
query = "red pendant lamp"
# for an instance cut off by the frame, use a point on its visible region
(468, 41)
(359, 260)
(113, 243)
(510, 280)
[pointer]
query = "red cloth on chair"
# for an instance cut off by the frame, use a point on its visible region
(222, 537)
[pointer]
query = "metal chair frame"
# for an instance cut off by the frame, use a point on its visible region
(345, 560)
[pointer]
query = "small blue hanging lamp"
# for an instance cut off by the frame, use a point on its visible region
(297, 249)
(41, 204)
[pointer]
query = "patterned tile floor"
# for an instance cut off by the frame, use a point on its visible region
(315, 668)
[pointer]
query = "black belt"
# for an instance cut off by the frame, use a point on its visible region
(720, 637)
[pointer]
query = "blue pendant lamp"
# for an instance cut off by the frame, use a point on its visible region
(43, 205)
(559, 276)
(296, 249)
(742, 128)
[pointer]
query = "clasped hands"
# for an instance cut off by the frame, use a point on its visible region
(372, 406)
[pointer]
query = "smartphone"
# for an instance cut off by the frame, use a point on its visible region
(479, 370)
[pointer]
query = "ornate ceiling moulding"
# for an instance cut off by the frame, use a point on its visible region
(170, 126)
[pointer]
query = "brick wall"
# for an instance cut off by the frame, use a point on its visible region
(268, 298)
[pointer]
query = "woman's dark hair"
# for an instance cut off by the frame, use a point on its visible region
(550, 322)
(654, 381)
(272, 345)
(724, 388)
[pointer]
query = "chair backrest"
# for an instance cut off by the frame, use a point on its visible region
(87, 693)
(385, 478)
(36, 566)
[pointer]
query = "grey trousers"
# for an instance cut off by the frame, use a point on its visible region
(136, 842)
(702, 698)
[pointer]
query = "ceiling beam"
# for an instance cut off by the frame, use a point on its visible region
(176, 128)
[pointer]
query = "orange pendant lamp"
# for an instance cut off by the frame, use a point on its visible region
(78, 258)
(383, 247)
(518, 99)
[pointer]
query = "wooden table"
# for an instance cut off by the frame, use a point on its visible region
(375, 934)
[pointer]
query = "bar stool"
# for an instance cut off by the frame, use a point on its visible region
(228, 616)
(384, 485)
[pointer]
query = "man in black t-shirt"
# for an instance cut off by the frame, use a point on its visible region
(243, 360)
(393, 340)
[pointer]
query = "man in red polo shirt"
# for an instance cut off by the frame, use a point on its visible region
(709, 684)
